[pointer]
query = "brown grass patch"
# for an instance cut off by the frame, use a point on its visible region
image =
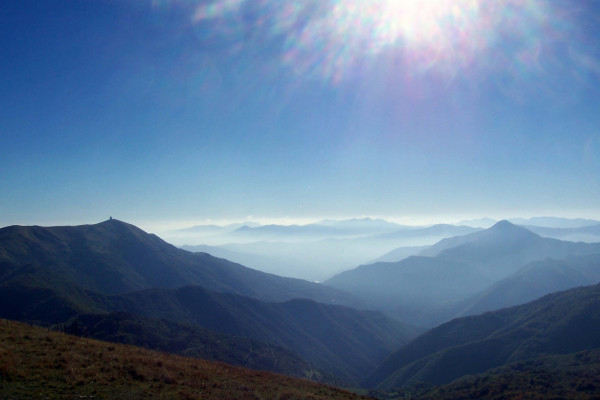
(35, 363)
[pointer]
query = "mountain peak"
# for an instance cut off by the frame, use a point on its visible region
(116, 223)
(503, 225)
(111, 220)
(505, 228)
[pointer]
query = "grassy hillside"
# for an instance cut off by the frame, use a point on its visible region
(38, 364)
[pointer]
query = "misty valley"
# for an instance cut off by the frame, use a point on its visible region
(480, 309)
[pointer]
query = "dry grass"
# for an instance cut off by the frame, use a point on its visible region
(37, 364)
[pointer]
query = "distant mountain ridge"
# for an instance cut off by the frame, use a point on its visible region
(554, 222)
(319, 250)
(430, 288)
(442, 230)
(322, 249)
(588, 233)
(533, 281)
(322, 229)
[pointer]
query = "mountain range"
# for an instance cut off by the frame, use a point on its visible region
(113, 281)
(52, 275)
(314, 251)
(432, 287)
(322, 249)
(115, 257)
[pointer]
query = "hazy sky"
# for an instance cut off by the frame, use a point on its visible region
(158, 111)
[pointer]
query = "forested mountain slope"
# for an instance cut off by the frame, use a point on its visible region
(559, 323)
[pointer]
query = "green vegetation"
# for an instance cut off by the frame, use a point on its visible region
(572, 376)
(39, 364)
(561, 323)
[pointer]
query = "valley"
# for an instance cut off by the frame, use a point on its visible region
(471, 304)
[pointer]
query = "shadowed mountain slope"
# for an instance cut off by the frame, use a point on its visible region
(399, 254)
(36, 296)
(535, 280)
(114, 257)
(560, 323)
(192, 341)
(341, 341)
(346, 342)
(569, 376)
(411, 289)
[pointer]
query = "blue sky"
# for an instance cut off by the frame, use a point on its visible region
(176, 112)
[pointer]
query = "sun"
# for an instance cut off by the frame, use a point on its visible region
(417, 23)
(424, 21)
(343, 38)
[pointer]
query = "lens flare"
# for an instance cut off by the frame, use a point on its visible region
(340, 39)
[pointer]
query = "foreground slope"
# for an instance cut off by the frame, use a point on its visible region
(115, 257)
(560, 323)
(36, 363)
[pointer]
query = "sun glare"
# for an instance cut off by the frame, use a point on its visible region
(430, 32)
(339, 37)
(425, 22)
